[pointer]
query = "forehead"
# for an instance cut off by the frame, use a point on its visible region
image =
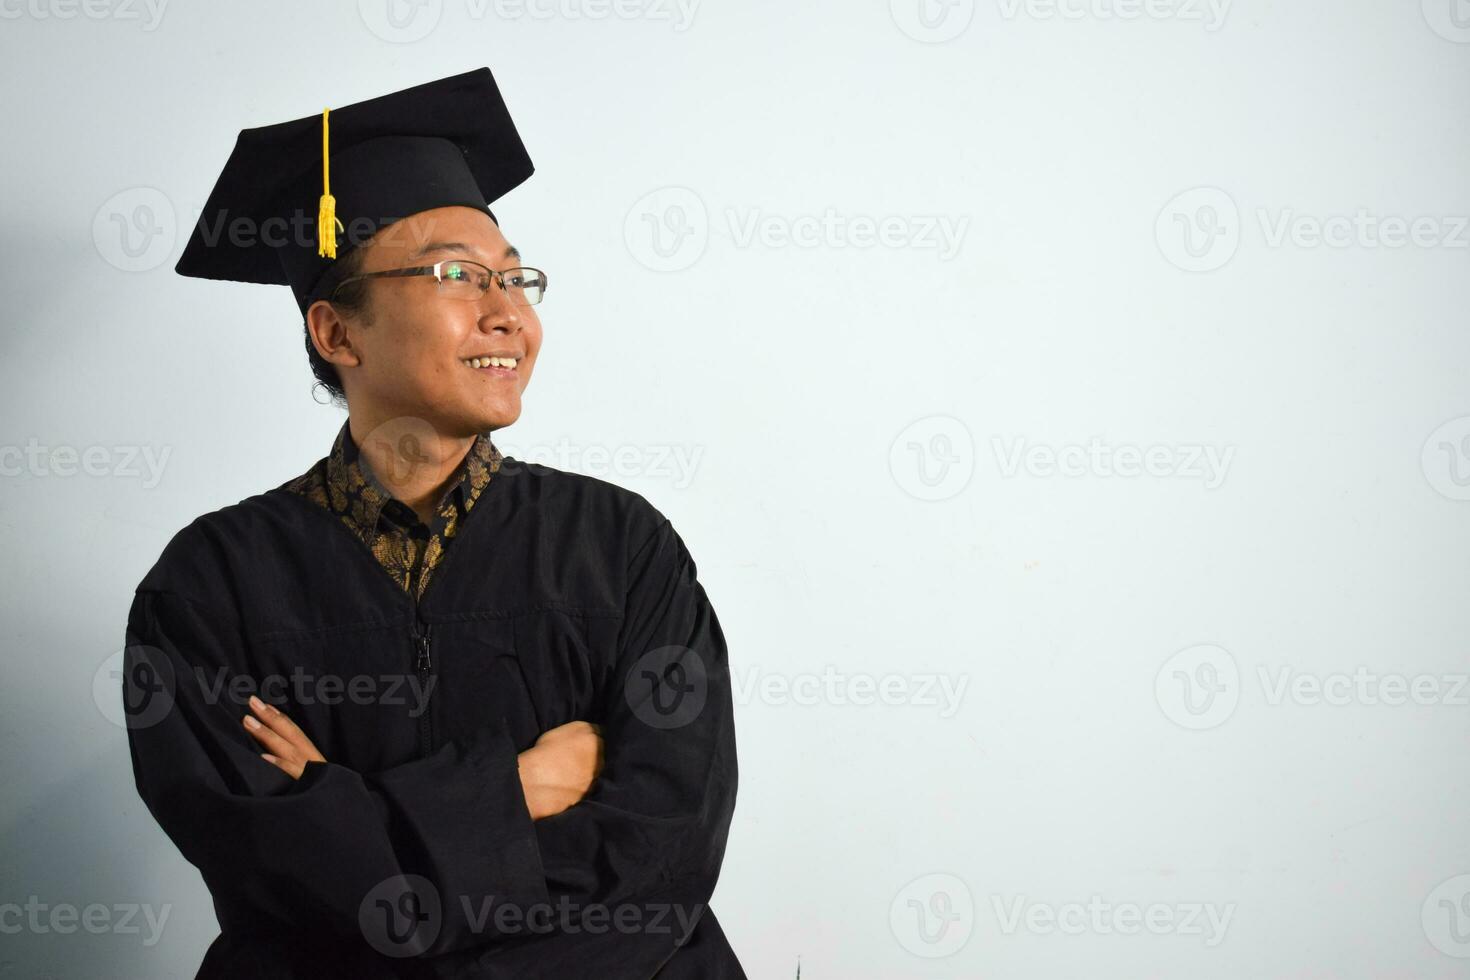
(470, 232)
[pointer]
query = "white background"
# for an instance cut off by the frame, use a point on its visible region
(1133, 190)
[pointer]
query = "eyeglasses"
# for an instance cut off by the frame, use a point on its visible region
(462, 279)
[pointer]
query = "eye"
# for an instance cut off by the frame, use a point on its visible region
(468, 273)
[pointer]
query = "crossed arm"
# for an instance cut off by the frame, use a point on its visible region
(555, 773)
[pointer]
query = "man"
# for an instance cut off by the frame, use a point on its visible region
(426, 710)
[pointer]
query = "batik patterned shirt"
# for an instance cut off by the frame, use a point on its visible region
(406, 547)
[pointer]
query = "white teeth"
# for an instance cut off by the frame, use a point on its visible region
(480, 362)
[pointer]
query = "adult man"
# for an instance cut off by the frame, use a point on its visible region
(427, 710)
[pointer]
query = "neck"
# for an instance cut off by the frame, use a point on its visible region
(411, 458)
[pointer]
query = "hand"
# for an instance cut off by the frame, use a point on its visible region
(559, 769)
(290, 749)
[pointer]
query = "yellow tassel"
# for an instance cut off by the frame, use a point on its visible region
(326, 216)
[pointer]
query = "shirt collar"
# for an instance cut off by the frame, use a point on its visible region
(352, 479)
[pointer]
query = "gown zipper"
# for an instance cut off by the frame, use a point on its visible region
(423, 663)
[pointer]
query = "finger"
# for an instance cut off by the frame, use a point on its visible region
(284, 728)
(272, 740)
(278, 722)
(290, 769)
(276, 719)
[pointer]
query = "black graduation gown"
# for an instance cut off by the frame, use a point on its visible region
(410, 852)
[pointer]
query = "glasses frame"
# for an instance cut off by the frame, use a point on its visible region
(437, 271)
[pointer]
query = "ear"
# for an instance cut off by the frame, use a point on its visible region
(330, 336)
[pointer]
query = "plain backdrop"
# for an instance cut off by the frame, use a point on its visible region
(1065, 404)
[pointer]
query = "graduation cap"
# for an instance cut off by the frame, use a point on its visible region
(294, 197)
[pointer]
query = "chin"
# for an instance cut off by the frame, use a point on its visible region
(467, 420)
(496, 418)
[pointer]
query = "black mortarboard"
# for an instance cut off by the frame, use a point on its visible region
(290, 192)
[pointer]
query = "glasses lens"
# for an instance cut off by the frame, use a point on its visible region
(464, 280)
(470, 280)
(525, 286)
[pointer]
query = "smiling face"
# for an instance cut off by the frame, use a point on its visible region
(416, 350)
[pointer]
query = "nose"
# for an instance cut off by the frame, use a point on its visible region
(498, 310)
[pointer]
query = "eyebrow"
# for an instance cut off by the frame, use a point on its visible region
(511, 252)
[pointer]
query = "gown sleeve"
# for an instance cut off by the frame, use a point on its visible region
(315, 853)
(653, 826)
